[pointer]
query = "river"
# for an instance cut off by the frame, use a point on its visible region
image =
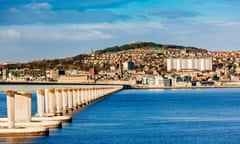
(150, 116)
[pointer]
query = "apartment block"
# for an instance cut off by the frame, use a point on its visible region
(189, 64)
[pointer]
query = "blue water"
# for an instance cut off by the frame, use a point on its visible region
(197, 116)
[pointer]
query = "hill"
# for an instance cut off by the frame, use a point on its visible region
(79, 61)
(147, 45)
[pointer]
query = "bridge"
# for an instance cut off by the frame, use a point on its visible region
(54, 107)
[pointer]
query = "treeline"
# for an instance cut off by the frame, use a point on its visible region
(75, 62)
(131, 46)
(152, 45)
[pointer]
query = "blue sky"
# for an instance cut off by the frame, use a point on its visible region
(36, 29)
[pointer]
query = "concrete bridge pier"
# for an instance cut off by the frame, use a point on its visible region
(79, 97)
(82, 97)
(40, 103)
(46, 98)
(65, 100)
(23, 107)
(52, 102)
(10, 109)
(89, 96)
(75, 99)
(95, 93)
(101, 92)
(85, 96)
(59, 102)
(19, 111)
(70, 100)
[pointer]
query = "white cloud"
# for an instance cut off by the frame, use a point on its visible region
(9, 34)
(75, 32)
(230, 23)
(120, 25)
(52, 33)
(72, 39)
(37, 6)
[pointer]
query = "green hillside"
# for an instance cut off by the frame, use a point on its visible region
(149, 45)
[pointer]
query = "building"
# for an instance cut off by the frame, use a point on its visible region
(156, 81)
(74, 79)
(129, 65)
(92, 72)
(4, 74)
(113, 68)
(52, 74)
(189, 64)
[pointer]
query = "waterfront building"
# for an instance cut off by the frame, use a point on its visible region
(93, 72)
(145, 80)
(52, 74)
(157, 81)
(151, 80)
(161, 81)
(74, 79)
(4, 74)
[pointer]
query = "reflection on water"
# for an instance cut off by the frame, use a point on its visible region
(17, 140)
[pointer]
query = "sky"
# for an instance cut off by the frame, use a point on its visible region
(48, 29)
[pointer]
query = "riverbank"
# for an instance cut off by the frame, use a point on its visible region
(181, 87)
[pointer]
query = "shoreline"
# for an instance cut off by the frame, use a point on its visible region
(194, 87)
(125, 86)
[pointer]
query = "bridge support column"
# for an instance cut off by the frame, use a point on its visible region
(23, 107)
(59, 102)
(75, 98)
(82, 96)
(46, 98)
(40, 103)
(52, 102)
(95, 93)
(65, 100)
(70, 99)
(10, 109)
(79, 97)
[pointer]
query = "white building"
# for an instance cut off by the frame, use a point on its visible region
(52, 74)
(193, 64)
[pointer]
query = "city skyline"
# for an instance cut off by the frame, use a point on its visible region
(31, 30)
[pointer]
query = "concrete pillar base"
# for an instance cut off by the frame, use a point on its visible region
(59, 113)
(65, 112)
(39, 115)
(31, 131)
(70, 109)
(50, 115)
(11, 125)
(75, 108)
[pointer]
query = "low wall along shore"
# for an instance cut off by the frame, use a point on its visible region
(54, 106)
